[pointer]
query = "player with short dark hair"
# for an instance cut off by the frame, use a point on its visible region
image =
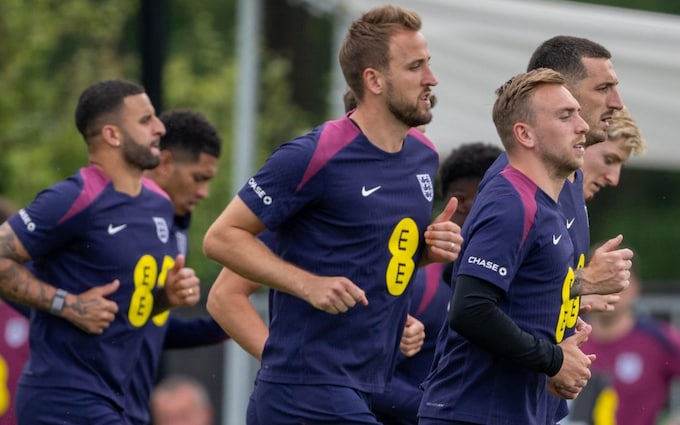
(105, 223)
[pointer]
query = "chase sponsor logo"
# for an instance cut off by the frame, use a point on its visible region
(487, 265)
(266, 199)
(30, 225)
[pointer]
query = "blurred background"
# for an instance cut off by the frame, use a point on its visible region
(264, 71)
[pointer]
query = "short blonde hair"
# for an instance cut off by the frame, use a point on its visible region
(623, 126)
(514, 101)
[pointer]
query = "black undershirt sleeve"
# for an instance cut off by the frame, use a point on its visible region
(475, 315)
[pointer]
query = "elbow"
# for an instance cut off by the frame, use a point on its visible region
(212, 302)
(215, 245)
(209, 245)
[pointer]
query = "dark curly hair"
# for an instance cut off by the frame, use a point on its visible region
(467, 161)
(189, 133)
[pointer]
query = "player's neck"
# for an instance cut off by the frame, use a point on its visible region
(381, 129)
(124, 179)
(537, 172)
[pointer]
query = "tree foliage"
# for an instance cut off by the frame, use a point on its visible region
(644, 208)
(52, 50)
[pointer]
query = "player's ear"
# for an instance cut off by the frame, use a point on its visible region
(167, 158)
(373, 80)
(111, 135)
(524, 134)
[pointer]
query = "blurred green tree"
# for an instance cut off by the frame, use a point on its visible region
(52, 50)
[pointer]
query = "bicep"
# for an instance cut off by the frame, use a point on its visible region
(234, 225)
(237, 215)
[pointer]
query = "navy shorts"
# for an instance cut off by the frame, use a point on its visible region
(292, 404)
(61, 406)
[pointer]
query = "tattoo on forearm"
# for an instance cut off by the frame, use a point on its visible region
(16, 282)
(8, 244)
(576, 287)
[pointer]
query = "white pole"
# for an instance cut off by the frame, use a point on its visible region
(238, 376)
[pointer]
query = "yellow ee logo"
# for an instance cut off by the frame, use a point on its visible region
(403, 245)
(146, 276)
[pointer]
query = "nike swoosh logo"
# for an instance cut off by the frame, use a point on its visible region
(115, 229)
(556, 239)
(368, 192)
(570, 222)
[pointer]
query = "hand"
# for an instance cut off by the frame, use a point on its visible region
(91, 311)
(442, 237)
(583, 327)
(413, 337)
(333, 294)
(608, 271)
(595, 302)
(556, 390)
(575, 371)
(182, 286)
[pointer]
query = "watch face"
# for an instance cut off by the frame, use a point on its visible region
(58, 302)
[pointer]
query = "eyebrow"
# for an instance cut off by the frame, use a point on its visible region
(569, 109)
(415, 62)
(607, 84)
(614, 155)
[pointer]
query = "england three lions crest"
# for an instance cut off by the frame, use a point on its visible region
(426, 186)
(162, 230)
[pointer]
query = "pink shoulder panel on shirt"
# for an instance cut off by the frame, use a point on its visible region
(527, 192)
(417, 134)
(94, 182)
(335, 135)
(152, 186)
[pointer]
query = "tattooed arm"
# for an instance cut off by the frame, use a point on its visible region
(90, 310)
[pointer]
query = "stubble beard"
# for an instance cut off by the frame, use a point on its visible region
(137, 155)
(559, 166)
(597, 136)
(405, 111)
